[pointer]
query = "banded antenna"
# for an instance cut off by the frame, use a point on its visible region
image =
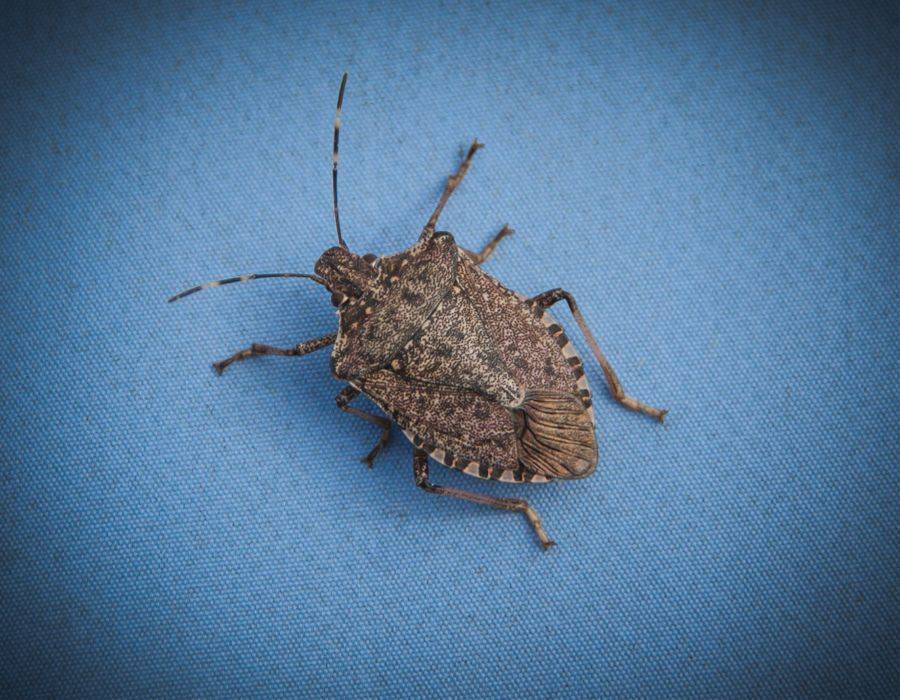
(244, 278)
(334, 161)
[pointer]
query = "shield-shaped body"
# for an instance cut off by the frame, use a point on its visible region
(478, 377)
(482, 380)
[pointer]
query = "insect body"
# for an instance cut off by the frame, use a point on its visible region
(478, 377)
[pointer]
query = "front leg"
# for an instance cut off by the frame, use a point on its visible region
(452, 183)
(260, 349)
(420, 473)
(346, 395)
(548, 299)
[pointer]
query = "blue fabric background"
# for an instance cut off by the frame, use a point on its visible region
(716, 183)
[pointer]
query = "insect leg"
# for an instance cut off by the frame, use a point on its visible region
(420, 473)
(346, 395)
(546, 300)
(260, 349)
(452, 183)
(485, 253)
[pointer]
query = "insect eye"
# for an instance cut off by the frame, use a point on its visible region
(336, 298)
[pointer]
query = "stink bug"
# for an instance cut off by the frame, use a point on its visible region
(478, 377)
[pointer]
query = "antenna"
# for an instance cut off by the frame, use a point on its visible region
(243, 278)
(334, 161)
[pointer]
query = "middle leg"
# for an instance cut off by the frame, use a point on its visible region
(343, 399)
(420, 473)
(485, 253)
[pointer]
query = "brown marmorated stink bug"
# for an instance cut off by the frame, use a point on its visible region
(480, 378)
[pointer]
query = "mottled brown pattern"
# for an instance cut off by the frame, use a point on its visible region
(460, 379)
(455, 348)
(468, 425)
(408, 288)
(479, 378)
(522, 340)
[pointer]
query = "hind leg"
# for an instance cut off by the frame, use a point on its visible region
(260, 349)
(420, 473)
(346, 395)
(548, 299)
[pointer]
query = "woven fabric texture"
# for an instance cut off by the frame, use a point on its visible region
(716, 183)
